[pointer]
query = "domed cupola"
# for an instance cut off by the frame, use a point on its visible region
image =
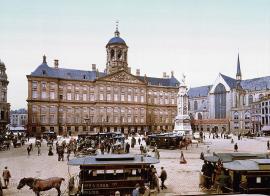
(116, 53)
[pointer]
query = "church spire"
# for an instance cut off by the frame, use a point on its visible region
(238, 73)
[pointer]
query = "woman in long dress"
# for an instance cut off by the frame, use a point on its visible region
(182, 158)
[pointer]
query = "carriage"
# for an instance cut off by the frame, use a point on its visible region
(164, 140)
(106, 174)
(235, 167)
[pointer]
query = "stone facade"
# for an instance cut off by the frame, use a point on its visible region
(4, 106)
(229, 104)
(18, 118)
(72, 101)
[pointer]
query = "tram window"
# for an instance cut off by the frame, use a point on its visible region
(258, 180)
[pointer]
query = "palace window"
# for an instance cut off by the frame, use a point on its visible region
(43, 118)
(101, 97)
(68, 96)
(109, 97)
(77, 96)
(52, 95)
(92, 97)
(129, 97)
(84, 97)
(142, 98)
(34, 94)
(115, 97)
(34, 84)
(122, 97)
(43, 94)
(135, 98)
(52, 119)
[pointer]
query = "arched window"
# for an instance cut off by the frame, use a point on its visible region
(247, 115)
(235, 116)
(199, 116)
(250, 99)
(220, 101)
(195, 105)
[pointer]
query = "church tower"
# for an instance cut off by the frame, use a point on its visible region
(238, 74)
(238, 71)
(116, 53)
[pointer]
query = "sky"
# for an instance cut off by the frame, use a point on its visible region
(200, 38)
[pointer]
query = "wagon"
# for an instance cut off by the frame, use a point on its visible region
(106, 174)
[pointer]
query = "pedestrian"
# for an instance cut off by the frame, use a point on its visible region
(157, 156)
(235, 147)
(38, 150)
(6, 176)
(202, 156)
(28, 150)
(50, 153)
(68, 154)
(182, 158)
(208, 150)
(268, 145)
(163, 177)
(139, 140)
(127, 147)
(141, 148)
(135, 191)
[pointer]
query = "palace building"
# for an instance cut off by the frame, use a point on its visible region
(72, 101)
(230, 104)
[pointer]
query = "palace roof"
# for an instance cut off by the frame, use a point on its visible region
(44, 70)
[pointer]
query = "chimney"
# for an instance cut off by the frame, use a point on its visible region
(172, 74)
(97, 74)
(164, 74)
(137, 72)
(56, 63)
(94, 67)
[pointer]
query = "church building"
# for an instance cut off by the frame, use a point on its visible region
(229, 104)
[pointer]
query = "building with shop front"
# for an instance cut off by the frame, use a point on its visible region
(4, 105)
(229, 104)
(72, 101)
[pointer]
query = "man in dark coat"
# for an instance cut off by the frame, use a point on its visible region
(163, 177)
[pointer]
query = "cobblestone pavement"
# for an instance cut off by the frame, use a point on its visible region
(183, 179)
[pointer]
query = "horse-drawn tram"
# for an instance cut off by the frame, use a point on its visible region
(236, 173)
(164, 140)
(107, 174)
(249, 176)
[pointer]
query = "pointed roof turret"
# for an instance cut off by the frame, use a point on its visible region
(238, 72)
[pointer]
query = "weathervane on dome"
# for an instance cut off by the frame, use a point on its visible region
(116, 31)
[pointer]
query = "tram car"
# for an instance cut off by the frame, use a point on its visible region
(164, 140)
(250, 176)
(236, 173)
(107, 174)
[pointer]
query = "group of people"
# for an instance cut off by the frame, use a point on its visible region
(215, 176)
(153, 179)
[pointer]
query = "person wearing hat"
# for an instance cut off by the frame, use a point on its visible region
(163, 177)
(6, 176)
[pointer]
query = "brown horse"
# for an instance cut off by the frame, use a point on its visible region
(38, 185)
